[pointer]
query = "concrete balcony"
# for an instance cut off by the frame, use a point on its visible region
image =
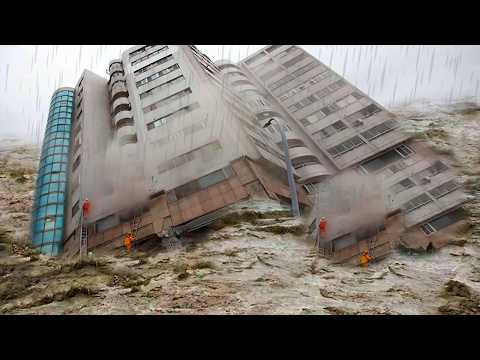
(115, 65)
(126, 131)
(245, 87)
(119, 89)
(118, 76)
(120, 104)
(230, 78)
(231, 69)
(301, 152)
(311, 172)
(225, 63)
(122, 117)
(293, 139)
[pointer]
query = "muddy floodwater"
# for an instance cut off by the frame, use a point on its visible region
(249, 267)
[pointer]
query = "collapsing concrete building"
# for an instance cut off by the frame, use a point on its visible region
(171, 139)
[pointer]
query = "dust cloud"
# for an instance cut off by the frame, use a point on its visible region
(350, 202)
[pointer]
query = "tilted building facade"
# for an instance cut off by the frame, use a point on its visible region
(171, 138)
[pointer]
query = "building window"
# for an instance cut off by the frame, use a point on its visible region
(364, 113)
(255, 58)
(143, 58)
(387, 158)
(443, 221)
(166, 118)
(75, 208)
(295, 60)
(401, 186)
(423, 177)
(380, 129)
(345, 146)
(161, 87)
(157, 75)
(444, 189)
(154, 64)
(273, 48)
(76, 163)
(330, 130)
(417, 202)
(167, 100)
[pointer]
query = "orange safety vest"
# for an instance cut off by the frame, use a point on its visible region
(322, 226)
(86, 208)
(365, 259)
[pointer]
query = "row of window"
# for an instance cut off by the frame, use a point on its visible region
(62, 121)
(296, 59)
(400, 152)
(200, 184)
(57, 135)
(297, 73)
(380, 129)
(346, 146)
(57, 116)
(60, 153)
(63, 93)
(162, 86)
(154, 64)
(304, 85)
(49, 223)
(203, 154)
(50, 210)
(53, 186)
(166, 118)
(157, 75)
(143, 58)
(62, 109)
(318, 95)
(52, 198)
(443, 221)
(53, 238)
(141, 50)
(58, 128)
(167, 100)
(56, 142)
(47, 167)
(68, 103)
(54, 176)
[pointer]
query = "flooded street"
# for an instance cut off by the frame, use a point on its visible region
(250, 267)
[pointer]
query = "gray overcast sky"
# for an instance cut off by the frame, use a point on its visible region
(391, 74)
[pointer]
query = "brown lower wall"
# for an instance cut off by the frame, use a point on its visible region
(250, 180)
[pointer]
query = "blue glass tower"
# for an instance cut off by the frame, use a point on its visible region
(49, 204)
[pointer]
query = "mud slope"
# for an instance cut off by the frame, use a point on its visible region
(246, 265)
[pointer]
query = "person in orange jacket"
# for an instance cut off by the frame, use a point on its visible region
(322, 226)
(86, 207)
(365, 258)
(128, 241)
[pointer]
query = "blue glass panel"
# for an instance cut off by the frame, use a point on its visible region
(38, 226)
(58, 235)
(49, 224)
(42, 211)
(59, 222)
(56, 249)
(37, 239)
(52, 198)
(54, 187)
(46, 249)
(47, 236)
(61, 197)
(51, 209)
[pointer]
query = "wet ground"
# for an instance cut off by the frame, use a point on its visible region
(252, 266)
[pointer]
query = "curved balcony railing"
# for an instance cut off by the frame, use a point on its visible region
(119, 89)
(311, 172)
(122, 116)
(126, 131)
(301, 152)
(221, 64)
(116, 77)
(120, 104)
